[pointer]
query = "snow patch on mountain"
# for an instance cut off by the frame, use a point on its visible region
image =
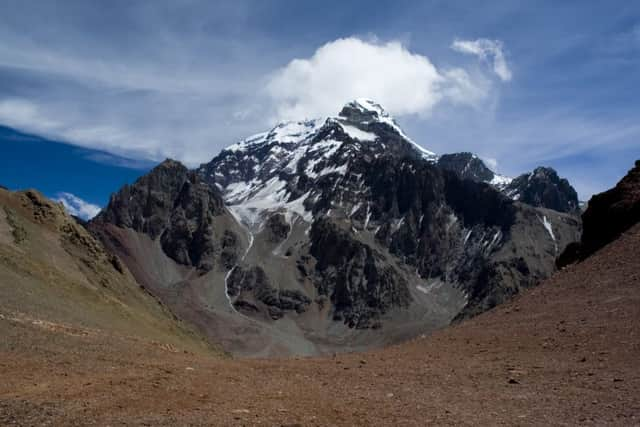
(500, 180)
(547, 225)
(250, 201)
(358, 134)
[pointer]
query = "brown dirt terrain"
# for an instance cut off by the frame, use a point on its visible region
(564, 353)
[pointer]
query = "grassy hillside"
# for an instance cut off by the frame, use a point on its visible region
(55, 275)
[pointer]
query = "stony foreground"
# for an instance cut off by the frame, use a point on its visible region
(564, 353)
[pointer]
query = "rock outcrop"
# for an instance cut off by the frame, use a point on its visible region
(608, 215)
(361, 283)
(544, 188)
(540, 188)
(254, 293)
(174, 205)
(466, 166)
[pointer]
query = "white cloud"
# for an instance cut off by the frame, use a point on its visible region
(486, 50)
(126, 108)
(135, 131)
(491, 163)
(345, 69)
(78, 207)
(24, 114)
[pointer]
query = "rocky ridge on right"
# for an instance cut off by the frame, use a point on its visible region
(607, 216)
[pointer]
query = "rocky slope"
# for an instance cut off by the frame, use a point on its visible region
(55, 275)
(608, 215)
(326, 235)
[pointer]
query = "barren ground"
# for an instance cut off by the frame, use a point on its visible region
(565, 353)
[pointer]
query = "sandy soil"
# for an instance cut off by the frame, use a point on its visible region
(565, 353)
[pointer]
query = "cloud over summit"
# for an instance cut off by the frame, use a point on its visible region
(344, 69)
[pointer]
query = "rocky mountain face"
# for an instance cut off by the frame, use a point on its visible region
(174, 205)
(541, 188)
(327, 235)
(608, 215)
(469, 166)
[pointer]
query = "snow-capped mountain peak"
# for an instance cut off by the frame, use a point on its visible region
(290, 167)
(361, 120)
(367, 113)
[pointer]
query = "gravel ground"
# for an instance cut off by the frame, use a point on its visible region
(565, 353)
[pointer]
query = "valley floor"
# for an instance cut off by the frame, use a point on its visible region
(565, 353)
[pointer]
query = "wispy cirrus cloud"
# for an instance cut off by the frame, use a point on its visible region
(491, 51)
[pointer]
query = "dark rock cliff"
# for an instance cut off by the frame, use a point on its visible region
(544, 188)
(360, 282)
(608, 215)
(174, 205)
(540, 188)
(466, 166)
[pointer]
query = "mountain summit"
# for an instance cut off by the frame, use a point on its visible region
(301, 167)
(370, 115)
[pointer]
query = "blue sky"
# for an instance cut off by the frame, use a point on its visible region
(121, 85)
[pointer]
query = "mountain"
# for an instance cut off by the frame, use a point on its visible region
(541, 188)
(173, 204)
(607, 216)
(328, 235)
(469, 166)
(55, 276)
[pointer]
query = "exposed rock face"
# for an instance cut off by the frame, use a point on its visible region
(541, 188)
(464, 232)
(229, 253)
(251, 286)
(466, 166)
(173, 204)
(544, 188)
(608, 215)
(360, 283)
(523, 259)
(277, 227)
